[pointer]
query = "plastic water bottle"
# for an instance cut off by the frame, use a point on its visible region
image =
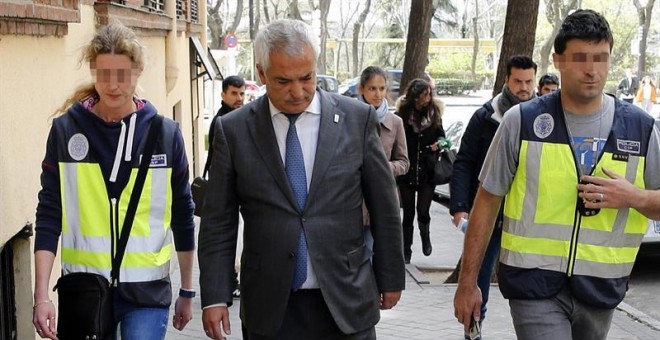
(463, 225)
(444, 144)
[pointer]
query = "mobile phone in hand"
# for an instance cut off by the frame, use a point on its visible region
(582, 209)
(475, 330)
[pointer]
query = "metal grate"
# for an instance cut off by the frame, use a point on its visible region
(156, 6)
(180, 10)
(194, 11)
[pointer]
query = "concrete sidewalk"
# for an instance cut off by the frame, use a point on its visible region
(426, 310)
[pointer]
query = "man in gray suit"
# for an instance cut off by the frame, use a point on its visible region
(298, 163)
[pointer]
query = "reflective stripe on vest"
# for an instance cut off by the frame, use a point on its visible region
(539, 216)
(88, 222)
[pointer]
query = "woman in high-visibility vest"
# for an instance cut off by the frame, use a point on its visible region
(88, 173)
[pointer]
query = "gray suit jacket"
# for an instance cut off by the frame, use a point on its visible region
(248, 173)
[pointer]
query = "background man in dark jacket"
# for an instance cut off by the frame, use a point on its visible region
(233, 96)
(518, 87)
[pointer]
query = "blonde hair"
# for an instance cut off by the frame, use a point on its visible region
(115, 38)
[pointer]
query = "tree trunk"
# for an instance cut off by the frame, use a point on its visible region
(475, 47)
(294, 12)
(324, 6)
(266, 14)
(519, 34)
(417, 44)
(644, 15)
(215, 23)
(556, 10)
(356, 35)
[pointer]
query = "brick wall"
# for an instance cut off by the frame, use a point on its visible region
(50, 17)
(38, 17)
(134, 15)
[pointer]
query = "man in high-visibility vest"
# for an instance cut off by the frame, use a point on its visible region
(565, 256)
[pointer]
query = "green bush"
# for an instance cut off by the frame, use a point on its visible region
(610, 86)
(455, 86)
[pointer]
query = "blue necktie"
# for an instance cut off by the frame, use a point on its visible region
(295, 171)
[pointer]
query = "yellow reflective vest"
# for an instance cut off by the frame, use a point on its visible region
(546, 242)
(92, 220)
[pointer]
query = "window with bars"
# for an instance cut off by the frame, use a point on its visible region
(187, 10)
(156, 6)
(194, 11)
(180, 10)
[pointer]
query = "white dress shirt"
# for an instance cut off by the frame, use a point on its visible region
(307, 127)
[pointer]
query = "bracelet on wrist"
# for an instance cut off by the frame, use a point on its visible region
(187, 293)
(41, 302)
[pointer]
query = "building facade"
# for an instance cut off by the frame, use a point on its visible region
(40, 46)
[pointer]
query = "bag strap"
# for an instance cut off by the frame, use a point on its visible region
(154, 131)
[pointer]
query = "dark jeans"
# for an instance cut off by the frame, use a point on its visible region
(424, 198)
(487, 266)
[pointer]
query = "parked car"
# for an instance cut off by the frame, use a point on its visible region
(350, 87)
(394, 83)
(328, 83)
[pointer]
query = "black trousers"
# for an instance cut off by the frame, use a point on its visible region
(424, 198)
(307, 318)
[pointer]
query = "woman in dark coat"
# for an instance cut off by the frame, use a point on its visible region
(422, 119)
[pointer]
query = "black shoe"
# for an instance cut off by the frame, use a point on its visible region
(237, 292)
(426, 238)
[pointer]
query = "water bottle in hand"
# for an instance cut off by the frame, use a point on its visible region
(463, 224)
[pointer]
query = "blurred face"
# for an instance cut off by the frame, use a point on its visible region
(115, 78)
(423, 100)
(583, 67)
(374, 91)
(290, 81)
(521, 83)
(234, 96)
(548, 88)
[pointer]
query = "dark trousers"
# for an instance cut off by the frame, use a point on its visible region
(424, 198)
(307, 318)
(487, 266)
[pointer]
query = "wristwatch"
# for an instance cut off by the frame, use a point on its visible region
(187, 293)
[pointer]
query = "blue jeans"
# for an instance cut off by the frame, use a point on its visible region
(140, 323)
(486, 272)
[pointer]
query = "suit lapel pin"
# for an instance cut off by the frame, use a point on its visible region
(336, 118)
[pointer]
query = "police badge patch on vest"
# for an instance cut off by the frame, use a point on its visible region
(543, 125)
(78, 146)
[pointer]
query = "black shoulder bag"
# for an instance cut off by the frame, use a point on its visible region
(442, 167)
(198, 191)
(85, 299)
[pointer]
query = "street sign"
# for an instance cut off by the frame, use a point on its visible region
(231, 40)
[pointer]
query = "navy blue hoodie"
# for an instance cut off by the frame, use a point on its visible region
(104, 138)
